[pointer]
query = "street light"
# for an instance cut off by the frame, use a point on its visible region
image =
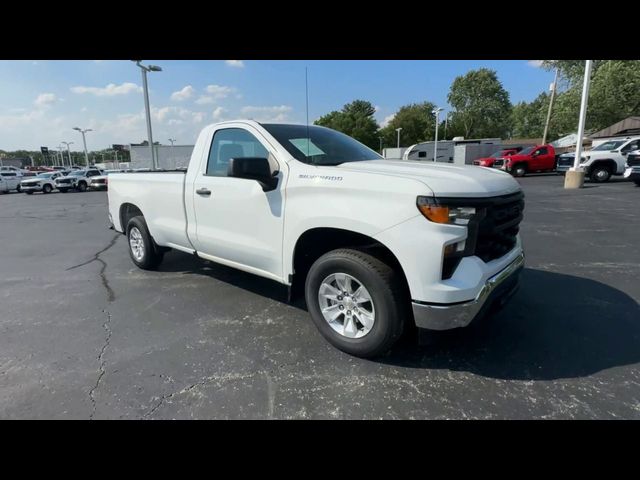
(145, 69)
(436, 112)
(172, 140)
(574, 178)
(84, 142)
(398, 130)
(61, 156)
(69, 151)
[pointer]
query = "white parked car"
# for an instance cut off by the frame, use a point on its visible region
(607, 159)
(43, 182)
(374, 244)
(10, 180)
(77, 180)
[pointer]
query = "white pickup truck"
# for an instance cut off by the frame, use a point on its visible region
(373, 243)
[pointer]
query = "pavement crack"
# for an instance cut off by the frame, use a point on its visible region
(96, 258)
(201, 383)
(107, 327)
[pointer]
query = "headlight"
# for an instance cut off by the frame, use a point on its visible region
(437, 213)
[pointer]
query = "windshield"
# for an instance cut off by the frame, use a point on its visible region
(319, 145)
(44, 175)
(77, 173)
(614, 145)
(526, 151)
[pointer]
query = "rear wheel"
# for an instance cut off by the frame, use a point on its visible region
(47, 188)
(356, 301)
(143, 250)
(600, 174)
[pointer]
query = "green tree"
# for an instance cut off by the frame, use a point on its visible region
(417, 122)
(528, 119)
(356, 120)
(481, 104)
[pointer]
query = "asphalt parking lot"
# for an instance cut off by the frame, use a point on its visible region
(85, 334)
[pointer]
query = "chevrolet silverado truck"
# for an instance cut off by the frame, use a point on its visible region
(43, 182)
(607, 159)
(374, 244)
(541, 158)
(77, 180)
(632, 172)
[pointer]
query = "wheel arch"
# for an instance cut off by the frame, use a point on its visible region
(315, 242)
(126, 213)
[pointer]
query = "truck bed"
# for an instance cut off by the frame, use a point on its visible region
(160, 197)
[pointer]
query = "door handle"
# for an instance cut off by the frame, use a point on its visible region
(203, 191)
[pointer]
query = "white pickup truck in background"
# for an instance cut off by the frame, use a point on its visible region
(373, 243)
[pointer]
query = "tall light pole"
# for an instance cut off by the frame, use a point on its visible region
(380, 145)
(69, 152)
(436, 112)
(84, 142)
(145, 69)
(574, 178)
(554, 85)
(61, 155)
(398, 130)
(172, 140)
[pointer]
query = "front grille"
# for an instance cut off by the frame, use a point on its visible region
(633, 160)
(64, 180)
(498, 163)
(498, 229)
(102, 181)
(30, 184)
(565, 161)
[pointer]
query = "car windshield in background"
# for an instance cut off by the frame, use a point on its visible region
(77, 173)
(44, 175)
(608, 146)
(319, 145)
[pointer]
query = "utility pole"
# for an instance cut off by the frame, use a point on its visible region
(436, 113)
(380, 145)
(574, 178)
(145, 69)
(84, 142)
(554, 85)
(398, 130)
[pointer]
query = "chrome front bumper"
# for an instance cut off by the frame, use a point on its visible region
(447, 316)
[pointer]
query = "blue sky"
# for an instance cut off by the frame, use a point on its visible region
(40, 101)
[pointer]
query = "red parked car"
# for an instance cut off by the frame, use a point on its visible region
(541, 158)
(488, 161)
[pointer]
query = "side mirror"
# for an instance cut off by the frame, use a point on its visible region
(254, 168)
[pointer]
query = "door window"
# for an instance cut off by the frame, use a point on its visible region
(232, 143)
(631, 146)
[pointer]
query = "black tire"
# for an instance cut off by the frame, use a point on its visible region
(29, 193)
(63, 190)
(18, 188)
(600, 174)
(385, 288)
(637, 182)
(46, 188)
(82, 186)
(153, 255)
(519, 170)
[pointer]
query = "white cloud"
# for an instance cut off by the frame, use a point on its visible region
(535, 63)
(220, 91)
(235, 63)
(387, 119)
(218, 114)
(45, 100)
(278, 113)
(205, 100)
(184, 94)
(108, 91)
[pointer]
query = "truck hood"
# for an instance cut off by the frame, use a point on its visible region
(445, 180)
(517, 157)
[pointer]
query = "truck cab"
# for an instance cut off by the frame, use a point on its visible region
(605, 160)
(540, 158)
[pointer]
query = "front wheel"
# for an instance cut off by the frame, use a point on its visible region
(637, 182)
(47, 188)
(600, 174)
(519, 171)
(143, 250)
(356, 301)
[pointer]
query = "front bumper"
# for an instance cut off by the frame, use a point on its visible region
(632, 173)
(30, 188)
(498, 288)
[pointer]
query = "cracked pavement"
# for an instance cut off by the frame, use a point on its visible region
(85, 334)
